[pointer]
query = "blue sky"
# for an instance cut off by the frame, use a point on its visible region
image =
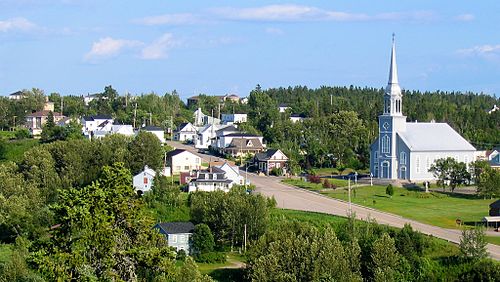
(217, 47)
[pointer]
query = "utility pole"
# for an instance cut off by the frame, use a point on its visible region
(135, 113)
(62, 105)
(349, 189)
(245, 238)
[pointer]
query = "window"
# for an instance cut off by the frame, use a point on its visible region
(173, 238)
(197, 160)
(277, 165)
(428, 163)
(186, 167)
(466, 160)
(145, 180)
(417, 164)
(178, 168)
(457, 158)
(182, 238)
(386, 144)
(402, 158)
(376, 154)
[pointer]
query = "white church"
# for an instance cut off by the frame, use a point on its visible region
(406, 150)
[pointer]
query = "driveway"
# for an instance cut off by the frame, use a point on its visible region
(299, 199)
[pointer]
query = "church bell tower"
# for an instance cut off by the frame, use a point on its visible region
(391, 121)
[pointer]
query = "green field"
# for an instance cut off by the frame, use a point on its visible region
(16, 148)
(493, 240)
(432, 208)
(314, 186)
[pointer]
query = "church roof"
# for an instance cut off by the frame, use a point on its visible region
(430, 136)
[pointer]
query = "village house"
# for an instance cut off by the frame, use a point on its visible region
(185, 132)
(35, 121)
(297, 118)
(243, 146)
(215, 178)
(207, 135)
(201, 119)
(283, 107)
(143, 181)
(182, 161)
(18, 95)
(177, 234)
(234, 118)
(157, 131)
(100, 124)
(273, 158)
(226, 140)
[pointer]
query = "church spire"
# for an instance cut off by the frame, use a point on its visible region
(393, 87)
(393, 72)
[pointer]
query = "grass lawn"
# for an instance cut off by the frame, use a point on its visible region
(229, 271)
(314, 186)
(432, 208)
(15, 148)
(493, 240)
(279, 216)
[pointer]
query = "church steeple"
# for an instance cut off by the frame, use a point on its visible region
(392, 97)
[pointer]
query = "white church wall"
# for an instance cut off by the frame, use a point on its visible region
(422, 161)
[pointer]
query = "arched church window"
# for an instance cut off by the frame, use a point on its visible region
(402, 158)
(386, 144)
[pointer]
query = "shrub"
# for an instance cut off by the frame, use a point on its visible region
(389, 190)
(211, 257)
(181, 255)
(277, 171)
(314, 179)
(22, 133)
(328, 185)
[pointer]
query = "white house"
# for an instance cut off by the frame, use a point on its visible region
(123, 129)
(283, 107)
(157, 131)
(92, 124)
(183, 161)
(494, 109)
(405, 150)
(91, 97)
(232, 173)
(144, 179)
(18, 95)
(207, 135)
(185, 132)
(209, 180)
(201, 119)
(297, 118)
(234, 118)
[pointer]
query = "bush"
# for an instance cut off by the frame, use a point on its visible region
(181, 255)
(211, 257)
(22, 133)
(314, 179)
(328, 185)
(276, 171)
(389, 190)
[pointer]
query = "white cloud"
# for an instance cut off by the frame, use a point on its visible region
(465, 17)
(158, 49)
(109, 47)
(16, 24)
(487, 52)
(274, 31)
(290, 13)
(170, 19)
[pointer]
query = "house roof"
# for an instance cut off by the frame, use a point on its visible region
(265, 156)
(94, 117)
(242, 134)
(148, 171)
(176, 152)
(152, 128)
(176, 227)
(430, 136)
(298, 115)
(283, 105)
(228, 128)
(495, 205)
(244, 143)
(44, 113)
(17, 93)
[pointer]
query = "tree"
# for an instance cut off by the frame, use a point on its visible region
(473, 244)
(145, 149)
(489, 183)
(3, 149)
(202, 239)
(103, 234)
(189, 273)
(389, 190)
(384, 258)
(450, 170)
(477, 168)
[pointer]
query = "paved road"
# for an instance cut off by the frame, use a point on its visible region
(299, 199)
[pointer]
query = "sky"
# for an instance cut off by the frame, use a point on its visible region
(75, 47)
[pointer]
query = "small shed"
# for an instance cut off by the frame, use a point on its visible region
(492, 220)
(495, 208)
